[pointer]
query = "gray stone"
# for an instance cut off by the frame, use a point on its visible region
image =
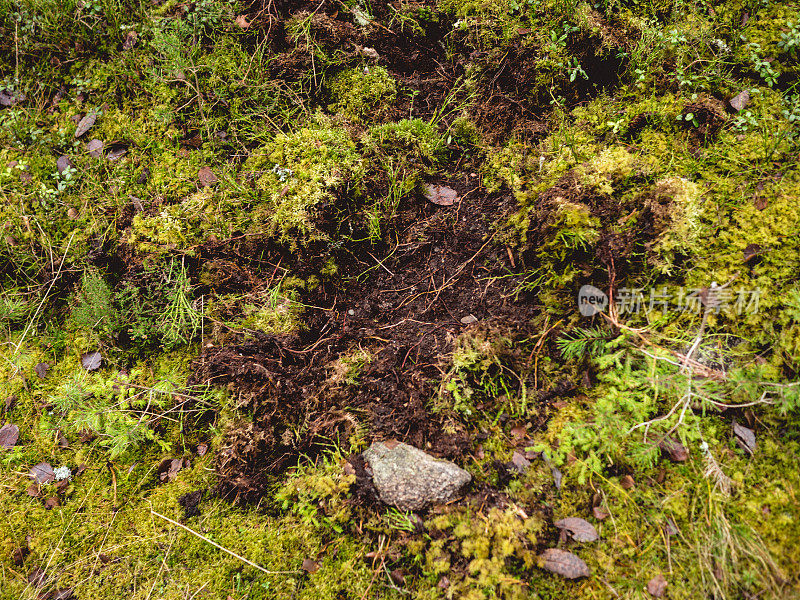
(411, 479)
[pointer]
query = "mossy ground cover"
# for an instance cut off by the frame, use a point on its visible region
(229, 202)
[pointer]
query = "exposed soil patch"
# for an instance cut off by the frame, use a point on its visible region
(403, 304)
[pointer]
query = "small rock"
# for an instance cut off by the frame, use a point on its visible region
(411, 479)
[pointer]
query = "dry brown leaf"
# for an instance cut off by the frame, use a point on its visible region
(676, 451)
(745, 438)
(43, 473)
(600, 513)
(657, 586)
(578, 529)
(242, 22)
(130, 40)
(627, 482)
(168, 469)
(37, 577)
(9, 434)
(398, 576)
(441, 195)
(62, 164)
(740, 100)
(41, 370)
(91, 361)
(519, 463)
(206, 177)
(85, 124)
(95, 148)
(564, 563)
(310, 566)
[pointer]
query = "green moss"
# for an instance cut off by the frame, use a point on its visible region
(358, 92)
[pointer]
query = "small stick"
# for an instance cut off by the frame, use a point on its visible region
(216, 545)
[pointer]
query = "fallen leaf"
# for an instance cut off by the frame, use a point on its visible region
(63, 163)
(65, 594)
(95, 148)
(441, 195)
(751, 251)
(578, 529)
(206, 177)
(202, 448)
(745, 438)
(33, 490)
(627, 482)
(657, 586)
(11, 402)
(398, 576)
(116, 151)
(85, 124)
(41, 370)
(310, 566)
(740, 100)
(9, 434)
(37, 577)
(130, 40)
(564, 563)
(676, 451)
(91, 361)
(168, 469)
(43, 473)
(10, 98)
(469, 319)
(51, 503)
(19, 554)
(519, 463)
(600, 513)
(520, 432)
(242, 22)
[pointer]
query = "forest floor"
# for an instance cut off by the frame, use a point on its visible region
(241, 241)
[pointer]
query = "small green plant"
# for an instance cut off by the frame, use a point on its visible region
(180, 321)
(583, 341)
(94, 309)
(789, 41)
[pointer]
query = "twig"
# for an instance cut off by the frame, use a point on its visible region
(216, 545)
